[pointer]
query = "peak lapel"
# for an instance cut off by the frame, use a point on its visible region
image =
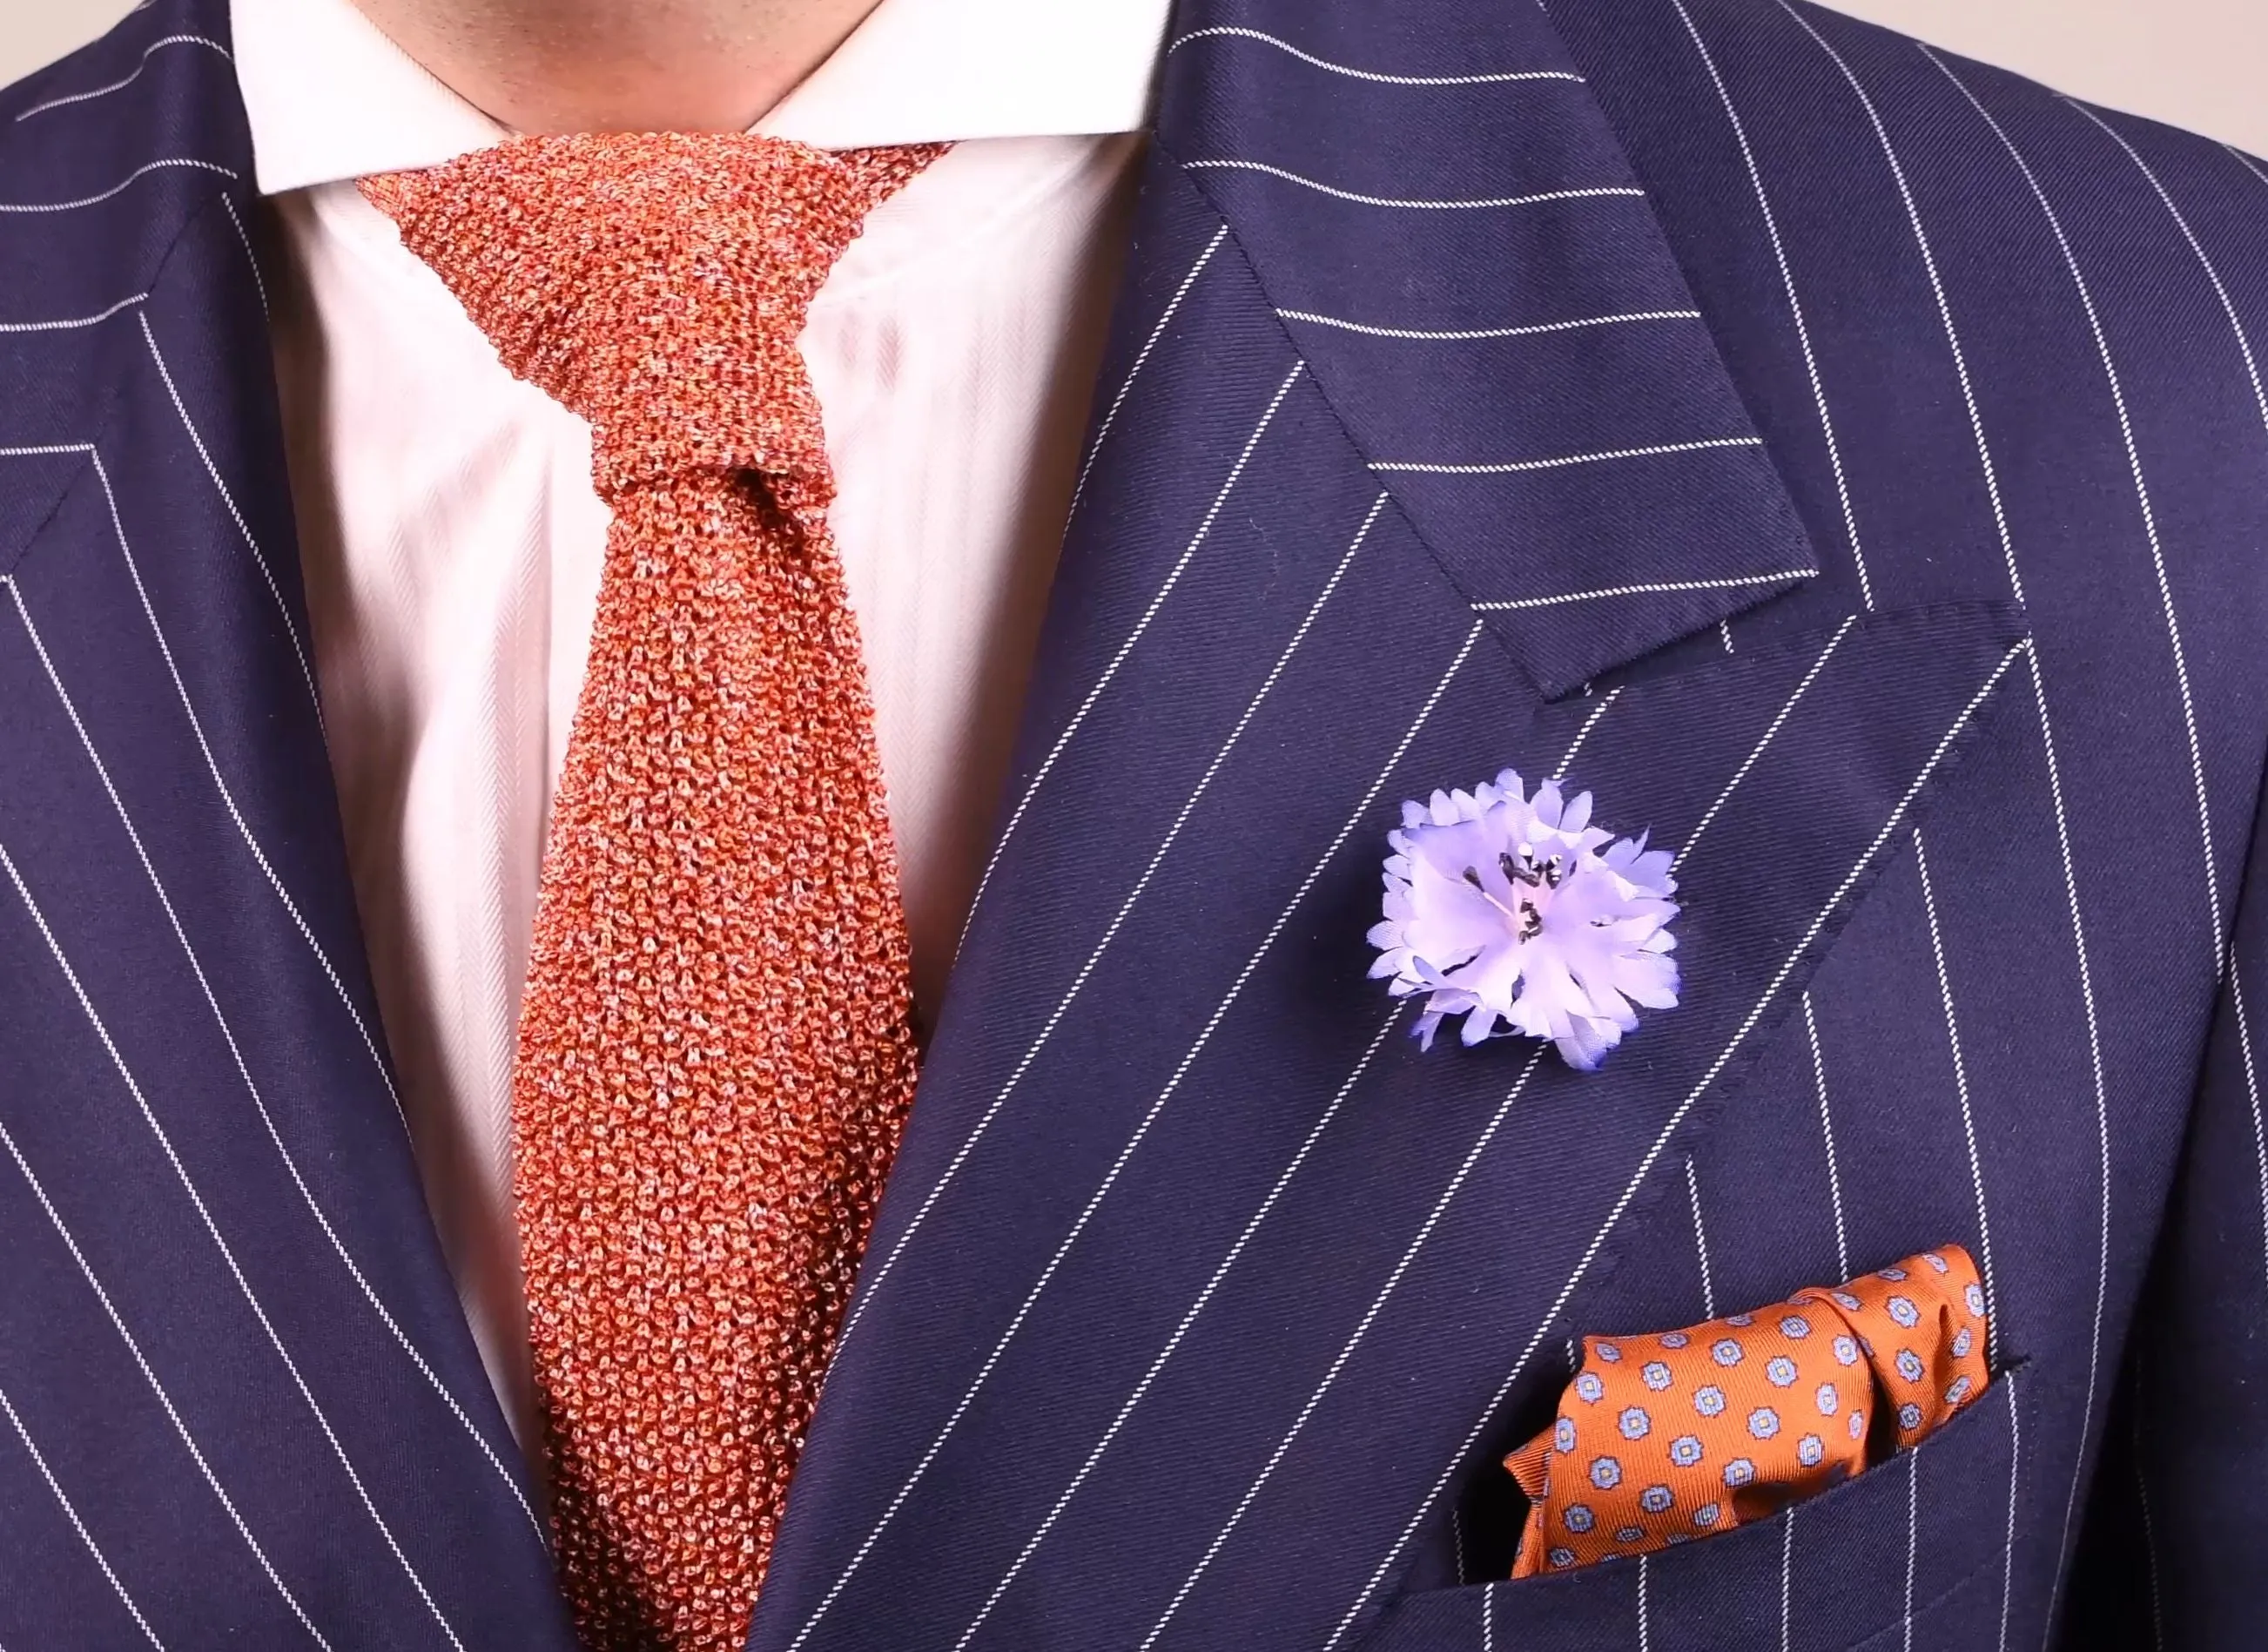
(1193, 1274)
(1564, 438)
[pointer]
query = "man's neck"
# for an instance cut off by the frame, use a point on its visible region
(620, 65)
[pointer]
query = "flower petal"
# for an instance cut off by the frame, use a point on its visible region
(1516, 913)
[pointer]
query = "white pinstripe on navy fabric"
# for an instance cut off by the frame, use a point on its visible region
(1913, 1537)
(170, 163)
(1827, 1135)
(1584, 733)
(1173, 1084)
(2189, 712)
(2149, 517)
(71, 1514)
(1794, 304)
(212, 1231)
(1662, 1140)
(244, 528)
(2246, 161)
(2219, 290)
(1664, 588)
(1467, 335)
(1181, 1329)
(2235, 984)
(2259, 401)
(148, 51)
(2040, 699)
(1377, 1305)
(1787, 1580)
(1496, 77)
(72, 323)
(868, 1287)
(1993, 1331)
(1770, 729)
(244, 1071)
(228, 798)
(2015, 1481)
(1236, 1250)
(251, 258)
(2251, 1097)
(1700, 1241)
(1645, 1617)
(1111, 671)
(1118, 397)
(1481, 204)
(1559, 461)
(1079, 492)
(142, 1364)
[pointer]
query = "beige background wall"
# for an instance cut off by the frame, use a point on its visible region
(2200, 64)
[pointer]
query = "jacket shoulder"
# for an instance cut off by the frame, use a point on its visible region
(1861, 141)
(107, 158)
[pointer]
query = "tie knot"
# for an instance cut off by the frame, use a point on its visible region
(654, 283)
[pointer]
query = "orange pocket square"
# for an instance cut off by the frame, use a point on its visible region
(1664, 1438)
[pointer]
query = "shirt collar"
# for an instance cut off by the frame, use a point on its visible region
(328, 96)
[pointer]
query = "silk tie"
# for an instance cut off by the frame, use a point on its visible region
(1663, 1439)
(715, 1051)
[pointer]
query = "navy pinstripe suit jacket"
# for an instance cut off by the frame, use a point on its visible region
(1849, 462)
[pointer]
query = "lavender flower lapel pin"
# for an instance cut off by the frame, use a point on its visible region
(1505, 908)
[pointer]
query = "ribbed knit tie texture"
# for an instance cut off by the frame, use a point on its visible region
(716, 1051)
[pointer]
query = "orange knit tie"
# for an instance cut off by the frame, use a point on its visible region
(715, 1049)
(1663, 1439)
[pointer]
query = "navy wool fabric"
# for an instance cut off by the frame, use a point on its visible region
(1848, 463)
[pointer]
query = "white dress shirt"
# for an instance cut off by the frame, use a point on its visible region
(452, 541)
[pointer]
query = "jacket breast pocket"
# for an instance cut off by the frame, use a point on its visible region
(1924, 1537)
